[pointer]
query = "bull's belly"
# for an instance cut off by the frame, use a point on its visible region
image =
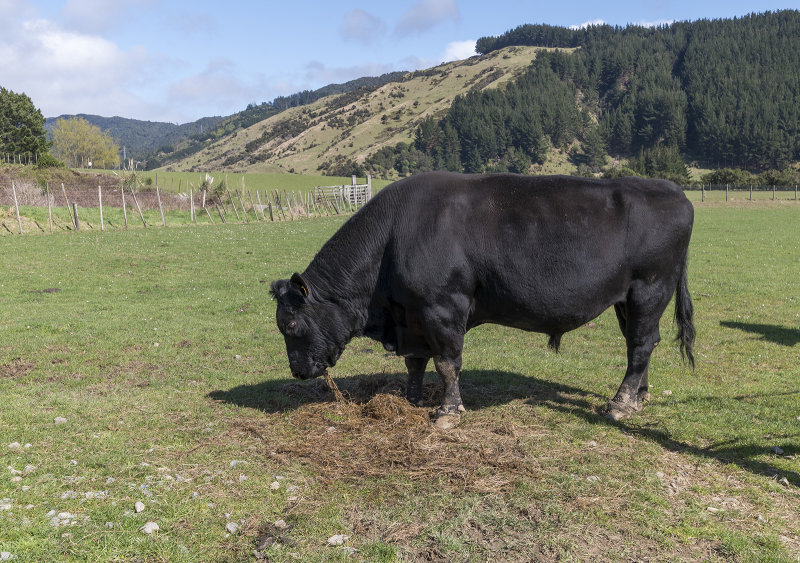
(549, 318)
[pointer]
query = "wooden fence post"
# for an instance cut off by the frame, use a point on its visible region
(75, 215)
(726, 192)
(241, 204)
(252, 205)
(49, 207)
(66, 199)
(773, 192)
(16, 206)
(703, 192)
(230, 197)
(100, 200)
(191, 205)
(160, 207)
(124, 208)
(141, 216)
(751, 192)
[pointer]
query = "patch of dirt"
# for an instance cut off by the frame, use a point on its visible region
(16, 368)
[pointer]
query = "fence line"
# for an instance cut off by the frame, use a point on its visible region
(276, 206)
(729, 188)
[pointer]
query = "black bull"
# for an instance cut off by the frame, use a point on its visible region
(433, 255)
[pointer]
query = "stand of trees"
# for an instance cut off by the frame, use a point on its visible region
(80, 144)
(21, 126)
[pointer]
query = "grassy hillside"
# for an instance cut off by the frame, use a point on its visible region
(352, 125)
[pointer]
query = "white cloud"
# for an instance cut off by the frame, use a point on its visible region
(361, 26)
(586, 24)
(458, 50)
(426, 14)
(65, 71)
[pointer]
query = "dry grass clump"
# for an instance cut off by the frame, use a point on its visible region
(377, 433)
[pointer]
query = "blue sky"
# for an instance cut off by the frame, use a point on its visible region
(177, 61)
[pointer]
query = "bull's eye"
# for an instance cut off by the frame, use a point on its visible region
(292, 325)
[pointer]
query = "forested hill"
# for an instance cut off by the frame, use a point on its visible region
(726, 92)
(714, 93)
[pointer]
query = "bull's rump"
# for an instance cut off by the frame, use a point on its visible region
(539, 253)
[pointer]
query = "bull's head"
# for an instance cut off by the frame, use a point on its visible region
(314, 330)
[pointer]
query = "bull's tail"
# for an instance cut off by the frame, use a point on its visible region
(684, 314)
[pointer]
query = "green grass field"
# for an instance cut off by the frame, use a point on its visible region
(145, 366)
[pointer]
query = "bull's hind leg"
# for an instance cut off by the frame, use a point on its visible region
(638, 318)
(416, 373)
(621, 309)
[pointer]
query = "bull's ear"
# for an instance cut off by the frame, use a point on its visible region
(301, 284)
(278, 288)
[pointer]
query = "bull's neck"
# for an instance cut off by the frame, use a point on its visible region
(345, 271)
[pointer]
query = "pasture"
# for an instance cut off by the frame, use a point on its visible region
(145, 366)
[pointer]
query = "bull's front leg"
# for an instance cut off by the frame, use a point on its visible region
(448, 415)
(416, 373)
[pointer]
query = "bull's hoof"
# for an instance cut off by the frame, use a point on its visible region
(644, 396)
(617, 411)
(447, 421)
(448, 417)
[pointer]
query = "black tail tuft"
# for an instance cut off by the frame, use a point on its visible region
(684, 315)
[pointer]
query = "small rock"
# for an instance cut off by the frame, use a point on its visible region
(27, 446)
(14, 445)
(236, 462)
(591, 444)
(138, 507)
(760, 518)
(242, 478)
(155, 344)
(25, 488)
(30, 468)
(281, 524)
(232, 528)
(593, 478)
(660, 474)
(777, 450)
(110, 525)
(338, 539)
(109, 480)
(69, 495)
(6, 556)
(5, 505)
(14, 471)
(350, 551)
(149, 528)
(274, 486)
(666, 393)
(784, 481)
(712, 509)
(59, 420)
(238, 357)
